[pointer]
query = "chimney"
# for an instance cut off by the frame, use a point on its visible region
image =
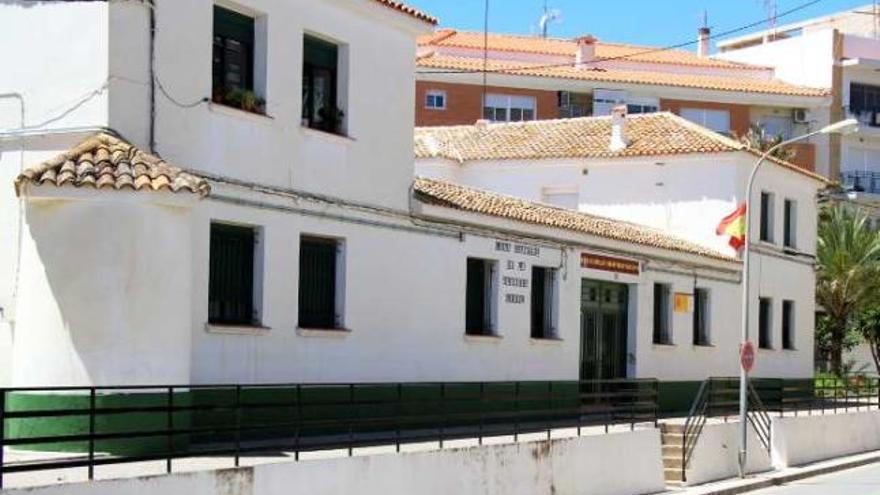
(586, 50)
(618, 129)
(703, 42)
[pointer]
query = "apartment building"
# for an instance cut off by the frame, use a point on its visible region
(528, 78)
(841, 53)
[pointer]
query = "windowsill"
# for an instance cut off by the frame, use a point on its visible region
(332, 333)
(239, 113)
(765, 349)
(236, 329)
(663, 344)
(546, 341)
(482, 338)
(327, 134)
(789, 349)
(704, 346)
(436, 109)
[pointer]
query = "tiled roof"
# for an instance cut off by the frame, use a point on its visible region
(649, 134)
(104, 161)
(656, 78)
(451, 195)
(567, 47)
(409, 10)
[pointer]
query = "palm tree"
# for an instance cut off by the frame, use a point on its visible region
(848, 259)
(758, 139)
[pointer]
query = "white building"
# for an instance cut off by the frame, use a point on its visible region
(840, 52)
(663, 171)
(293, 246)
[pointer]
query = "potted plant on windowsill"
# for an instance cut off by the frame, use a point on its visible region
(242, 99)
(331, 119)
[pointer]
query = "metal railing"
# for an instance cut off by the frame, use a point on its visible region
(861, 181)
(719, 398)
(114, 425)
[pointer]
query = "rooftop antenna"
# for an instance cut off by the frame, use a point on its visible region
(770, 7)
(549, 15)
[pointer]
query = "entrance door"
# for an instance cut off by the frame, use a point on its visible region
(603, 330)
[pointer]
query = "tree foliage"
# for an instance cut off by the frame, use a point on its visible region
(867, 325)
(758, 139)
(848, 275)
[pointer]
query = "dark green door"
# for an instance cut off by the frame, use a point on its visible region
(603, 330)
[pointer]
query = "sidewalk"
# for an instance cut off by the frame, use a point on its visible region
(780, 477)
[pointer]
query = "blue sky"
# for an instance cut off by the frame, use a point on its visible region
(652, 22)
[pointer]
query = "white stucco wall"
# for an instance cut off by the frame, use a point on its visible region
(48, 42)
(589, 464)
(716, 454)
(104, 293)
(372, 164)
(807, 439)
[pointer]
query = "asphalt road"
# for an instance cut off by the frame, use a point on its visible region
(863, 480)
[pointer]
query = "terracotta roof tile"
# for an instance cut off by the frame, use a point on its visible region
(104, 161)
(656, 78)
(448, 194)
(568, 47)
(650, 134)
(409, 10)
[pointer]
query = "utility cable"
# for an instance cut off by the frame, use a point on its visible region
(627, 56)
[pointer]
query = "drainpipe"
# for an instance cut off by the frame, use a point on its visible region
(152, 8)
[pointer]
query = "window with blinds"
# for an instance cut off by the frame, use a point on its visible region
(319, 283)
(231, 277)
(233, 56)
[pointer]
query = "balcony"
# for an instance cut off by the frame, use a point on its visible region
(862, 181)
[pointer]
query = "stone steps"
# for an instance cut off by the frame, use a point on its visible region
(671, 441)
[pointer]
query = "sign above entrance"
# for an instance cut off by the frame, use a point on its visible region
(747, 356)
(609, 263)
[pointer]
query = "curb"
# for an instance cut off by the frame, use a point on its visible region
(783, 477)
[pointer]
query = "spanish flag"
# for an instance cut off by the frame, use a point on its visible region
(734, 225)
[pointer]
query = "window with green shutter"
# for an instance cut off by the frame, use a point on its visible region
(480, 300)
(318, 280)
(233, 56)
(231, 275)
(319, 85)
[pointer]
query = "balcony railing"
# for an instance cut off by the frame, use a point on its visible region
(862, 181)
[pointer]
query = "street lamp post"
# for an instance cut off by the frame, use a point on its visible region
(843, 127)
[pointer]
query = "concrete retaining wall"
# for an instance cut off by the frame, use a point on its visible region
(589, 464)
(575, 466)
(814, 438)
(715, 455)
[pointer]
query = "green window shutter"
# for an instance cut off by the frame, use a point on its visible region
(317, 283)
(320, 53)
(231, 277)
(475, 305)
(230, 24)
(539, 302)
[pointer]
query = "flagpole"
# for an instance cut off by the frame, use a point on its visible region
(849, 125)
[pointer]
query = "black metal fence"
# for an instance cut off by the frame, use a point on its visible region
(112, 425)
(823, 395)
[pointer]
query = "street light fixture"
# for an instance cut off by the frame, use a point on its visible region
(847, 126)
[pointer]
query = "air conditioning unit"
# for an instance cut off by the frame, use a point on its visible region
(799, 116)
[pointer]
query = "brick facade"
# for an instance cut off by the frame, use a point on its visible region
(464, 103)
(739, 114)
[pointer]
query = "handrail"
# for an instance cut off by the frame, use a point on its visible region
(693, 425)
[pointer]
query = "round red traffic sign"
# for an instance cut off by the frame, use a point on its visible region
(747, 356)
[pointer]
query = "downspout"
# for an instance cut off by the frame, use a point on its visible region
(152, 8)
(21, 126)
